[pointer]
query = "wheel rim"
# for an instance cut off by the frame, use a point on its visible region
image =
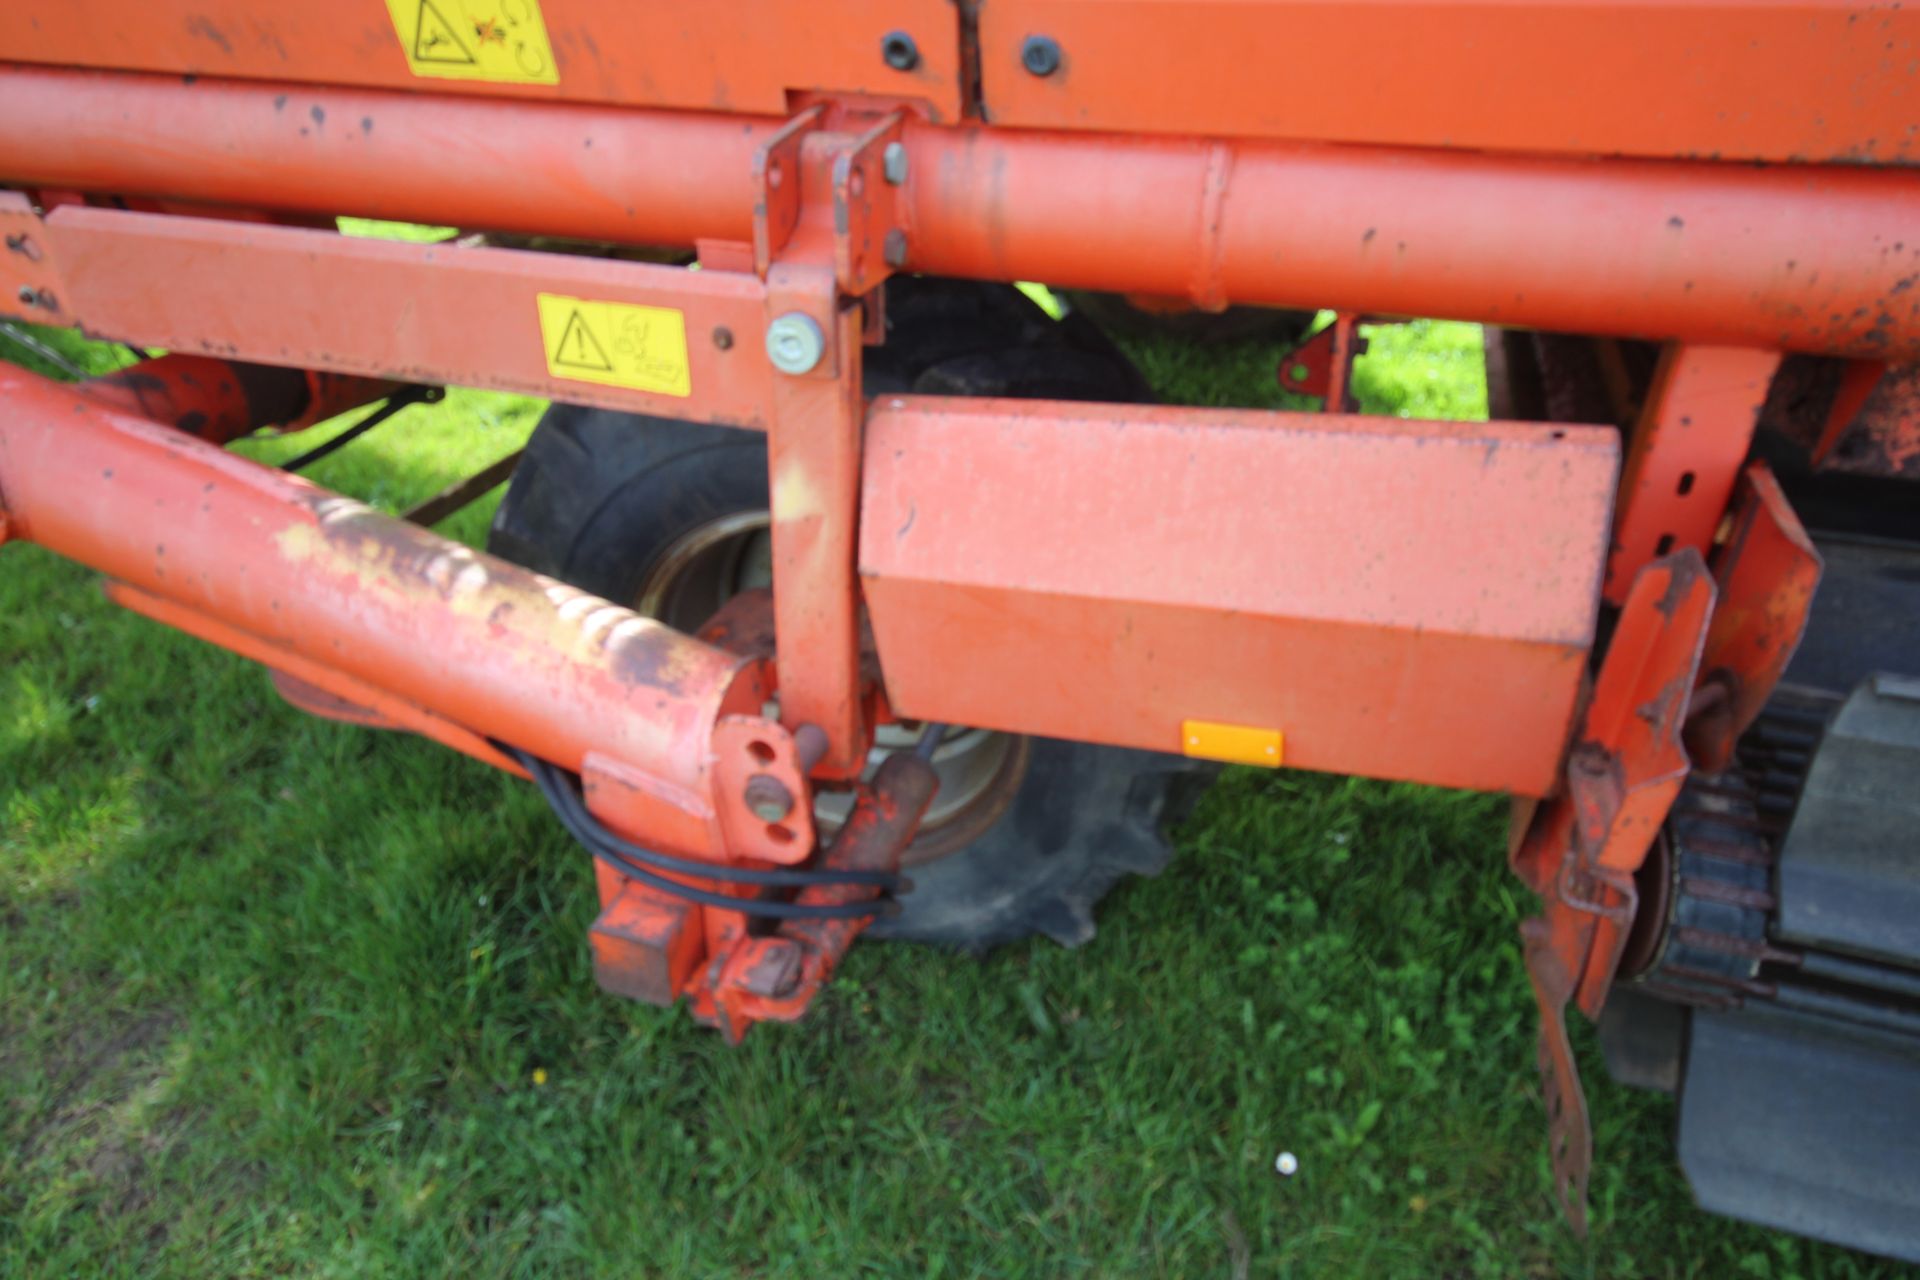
(979, 769)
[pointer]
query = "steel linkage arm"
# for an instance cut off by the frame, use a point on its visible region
(1694, 656)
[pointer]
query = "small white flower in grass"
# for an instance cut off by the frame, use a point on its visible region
(1286, 1164)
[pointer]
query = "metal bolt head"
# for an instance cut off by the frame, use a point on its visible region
(901, 53)
(893, 249)
(1040, 55)
(893, 163)
(723, 337)
(27, 296)
(795, 343)
(768, 797)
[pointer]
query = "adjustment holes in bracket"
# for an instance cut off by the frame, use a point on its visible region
(762, 752)
(1685, 486)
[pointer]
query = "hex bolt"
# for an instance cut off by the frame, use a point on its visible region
(901, 53)
(723, 337)
(795, 343)
(893, 163)
(768, 797)
(894, 248)
(774, 970)
(1040, 55)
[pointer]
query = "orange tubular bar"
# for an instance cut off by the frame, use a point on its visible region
(1812, 259)
(564, 170)
(1795, 257)
(493, 648)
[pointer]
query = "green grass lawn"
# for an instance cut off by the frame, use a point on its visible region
(279, 996)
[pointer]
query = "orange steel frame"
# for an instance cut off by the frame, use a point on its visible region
(1398, 599)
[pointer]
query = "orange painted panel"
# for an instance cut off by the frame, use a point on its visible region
(1403, 600)
(743, 55)
(1782, 80)
(439, 313)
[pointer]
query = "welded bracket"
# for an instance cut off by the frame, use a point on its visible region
(868, 241)
(1768, 571)
(1684, 454)
(1322, 366)
(1583, 847)
(776, 976)
(776, 187)
(30, 284)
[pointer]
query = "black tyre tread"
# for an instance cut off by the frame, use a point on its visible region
(1085, 818)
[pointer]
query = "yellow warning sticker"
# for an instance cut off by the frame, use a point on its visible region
(616, 344)
(504, 41)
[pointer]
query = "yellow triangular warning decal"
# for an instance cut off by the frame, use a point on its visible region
(435, 40)
(578, 348)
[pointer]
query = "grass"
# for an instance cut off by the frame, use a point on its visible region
(279, 996)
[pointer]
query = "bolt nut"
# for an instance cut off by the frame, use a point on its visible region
(1040, 55)
(894, 248)
(901, 53)
(773, 968)
(893, 163)
(768, 797)
(795, 343)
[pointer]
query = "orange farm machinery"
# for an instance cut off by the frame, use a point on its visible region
(843, 590)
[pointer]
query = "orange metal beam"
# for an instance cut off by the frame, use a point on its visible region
(453, 314)
(1777, 80)
(1402, 600)
(1798, 258)
(1824, 260)
(1685, 454)
(491, 648)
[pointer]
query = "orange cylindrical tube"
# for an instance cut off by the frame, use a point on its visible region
(1803, 258)
(1797, 257)
(547, 167)
(486, 645)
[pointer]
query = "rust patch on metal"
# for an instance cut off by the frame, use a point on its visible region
(377, 551)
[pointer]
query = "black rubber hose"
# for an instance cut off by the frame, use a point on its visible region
(394, 404)
(558, 787)
(627, 859)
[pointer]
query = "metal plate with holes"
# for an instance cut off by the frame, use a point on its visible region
(746, 55)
